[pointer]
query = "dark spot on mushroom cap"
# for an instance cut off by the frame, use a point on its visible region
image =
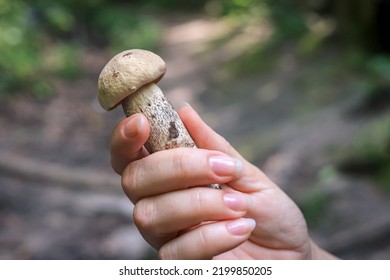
(127, 54)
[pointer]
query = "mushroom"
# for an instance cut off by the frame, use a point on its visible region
(130, 78)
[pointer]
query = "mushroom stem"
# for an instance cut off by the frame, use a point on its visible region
(130, 78)
(167, 131)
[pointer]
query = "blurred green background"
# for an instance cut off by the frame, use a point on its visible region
(277, 70)
(41, 39)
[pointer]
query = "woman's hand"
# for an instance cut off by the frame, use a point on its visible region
(250, 218)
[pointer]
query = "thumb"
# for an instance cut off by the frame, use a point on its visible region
(203, 135)
(250, 179)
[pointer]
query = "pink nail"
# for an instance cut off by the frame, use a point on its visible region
(132, 127)
(236, 201)
(225, 166)
(241, 226)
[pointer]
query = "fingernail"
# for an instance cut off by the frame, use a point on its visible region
(131, 128)
(225, 166)
(241, 227)
(237, 201)
(184, 104)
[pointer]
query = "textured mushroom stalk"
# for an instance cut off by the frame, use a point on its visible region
(167, 131)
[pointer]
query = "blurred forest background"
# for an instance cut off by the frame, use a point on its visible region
(300, 88)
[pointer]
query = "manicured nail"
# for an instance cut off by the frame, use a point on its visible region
(225, 166)
(241, 227)
(184, 104)
(237, 201)
(131, 128)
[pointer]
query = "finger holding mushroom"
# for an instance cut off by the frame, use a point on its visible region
(129, 79)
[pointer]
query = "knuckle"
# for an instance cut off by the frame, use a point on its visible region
(168, 252)
(131, 180)
(180, 162)
(143, 214)
(203, 198)
(203, 240)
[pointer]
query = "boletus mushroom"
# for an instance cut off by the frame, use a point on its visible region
(130, 78)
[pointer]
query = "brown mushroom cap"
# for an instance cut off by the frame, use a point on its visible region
(125, 73)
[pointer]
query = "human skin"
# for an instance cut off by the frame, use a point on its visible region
(250, 218)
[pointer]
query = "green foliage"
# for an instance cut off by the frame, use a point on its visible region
(41, 40)
(373, 86)
(19, 45)
(172, 5)
(289, 23)
(22, 44)
(286, 16)
(315, 200)
(369, 153)
(59, 17)
(125, 29)
(31, 29)
(379, 67)
(61, 59)
(313, 206)
(242, 8)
